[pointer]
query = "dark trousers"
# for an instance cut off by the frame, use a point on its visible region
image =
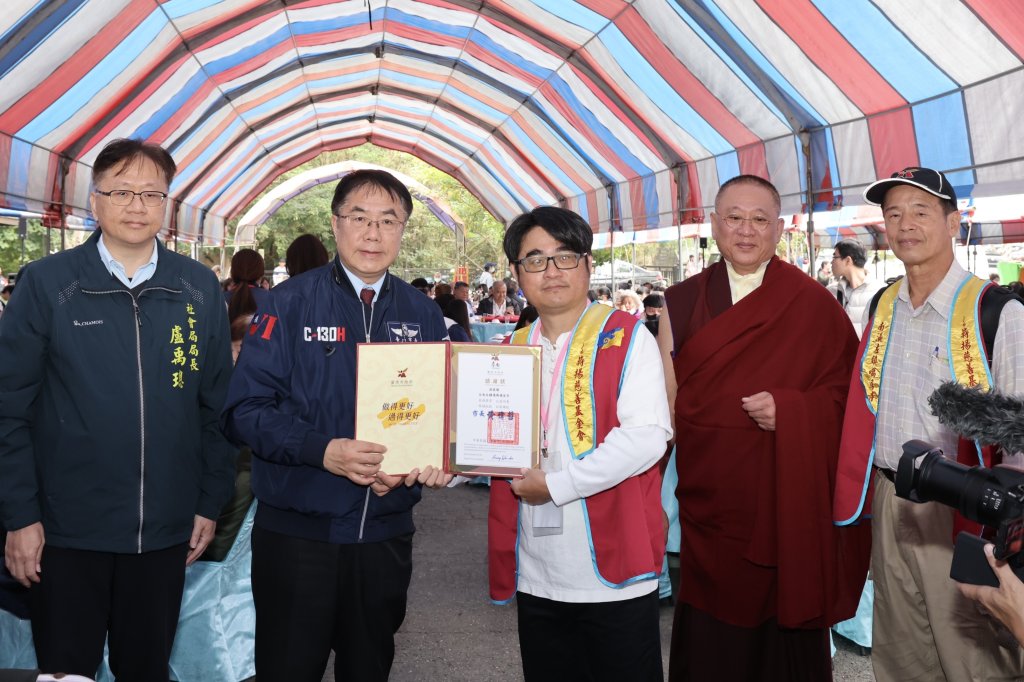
(131, 600)
(312, 597)
(705, 648)
(612, 641)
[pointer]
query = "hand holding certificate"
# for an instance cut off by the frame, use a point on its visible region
(460, 408)
(355, 459)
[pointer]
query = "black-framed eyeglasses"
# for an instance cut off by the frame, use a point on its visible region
(562, 261)
(362, 223)
(123, 197)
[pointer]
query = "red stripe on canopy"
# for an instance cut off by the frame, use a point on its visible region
(752, 160)
(1005, 18)
(65, 76)
(833, 54)
(893, 141)
(683, 81)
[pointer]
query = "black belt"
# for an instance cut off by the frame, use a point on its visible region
(888, 473)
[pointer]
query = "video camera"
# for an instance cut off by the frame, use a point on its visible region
(993, 497)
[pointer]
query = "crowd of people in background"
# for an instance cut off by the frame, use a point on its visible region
(505, 300)
(784, 454)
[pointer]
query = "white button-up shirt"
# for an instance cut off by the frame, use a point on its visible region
(559, 566)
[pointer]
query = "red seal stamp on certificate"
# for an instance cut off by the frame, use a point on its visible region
(503, 428)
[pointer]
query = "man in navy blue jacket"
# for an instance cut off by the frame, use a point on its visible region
(332, 542)
(114, 364)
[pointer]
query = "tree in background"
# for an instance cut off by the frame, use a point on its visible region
(427, 247)
(38, 242)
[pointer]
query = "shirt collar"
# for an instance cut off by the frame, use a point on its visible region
(116, 268)
(740, 286)
(358, 284)
(756, 275)
(941, 299)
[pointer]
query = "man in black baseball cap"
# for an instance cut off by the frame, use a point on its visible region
(926, 179)
(924, 330)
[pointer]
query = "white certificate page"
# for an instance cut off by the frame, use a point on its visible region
(495, 411)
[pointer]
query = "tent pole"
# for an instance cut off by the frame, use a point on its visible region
(633, 271)
(679, 248)
(612, 221)
(805, 145)
(680, 202)
(65, 168)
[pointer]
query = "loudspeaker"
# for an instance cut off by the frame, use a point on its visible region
(703, 242)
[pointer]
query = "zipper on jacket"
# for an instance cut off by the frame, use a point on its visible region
(362, 521)
(142, 417)
(137, 312)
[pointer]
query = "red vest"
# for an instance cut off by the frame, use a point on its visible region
(854, 483)
(624, 523)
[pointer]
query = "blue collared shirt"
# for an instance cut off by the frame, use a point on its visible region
(116, 269)
(359, 284)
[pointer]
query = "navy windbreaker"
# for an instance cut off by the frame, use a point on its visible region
(109, 403)
(293, 390)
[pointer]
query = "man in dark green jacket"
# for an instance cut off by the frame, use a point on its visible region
(114, 361)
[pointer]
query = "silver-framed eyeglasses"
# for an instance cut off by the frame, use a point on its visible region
(363, 223)
(123, 197)
(735, 221)
(562, 261)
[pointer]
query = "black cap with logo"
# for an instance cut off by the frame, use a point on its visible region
(927, 179)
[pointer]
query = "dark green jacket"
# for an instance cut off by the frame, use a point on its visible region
(108, 429)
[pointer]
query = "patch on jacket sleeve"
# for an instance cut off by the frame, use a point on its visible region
(262, 323)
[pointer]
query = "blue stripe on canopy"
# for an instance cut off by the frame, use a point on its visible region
(941, 128)
(888, 50)
(595, 125)
(28, 43)
(575, 13)
(250, 51)
(766, 67)
(171, 107)
(536, 152)
(655, 87)
(728, 166)
(113, 65)
(178, 8)
(727, 58)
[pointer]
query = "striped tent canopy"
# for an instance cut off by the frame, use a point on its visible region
(631, 112)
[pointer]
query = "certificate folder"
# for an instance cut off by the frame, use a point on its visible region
(467, 408)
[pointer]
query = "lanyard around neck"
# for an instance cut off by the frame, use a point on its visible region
(545, 413)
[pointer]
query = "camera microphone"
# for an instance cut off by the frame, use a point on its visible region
(984, 416)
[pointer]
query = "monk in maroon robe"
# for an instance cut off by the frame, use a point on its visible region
(761, 356)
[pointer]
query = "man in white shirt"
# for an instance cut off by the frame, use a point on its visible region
(579, 540)
(923, 332)
(487, 275)
(854, 287)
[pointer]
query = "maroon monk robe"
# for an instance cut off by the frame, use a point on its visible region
(758, 541)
